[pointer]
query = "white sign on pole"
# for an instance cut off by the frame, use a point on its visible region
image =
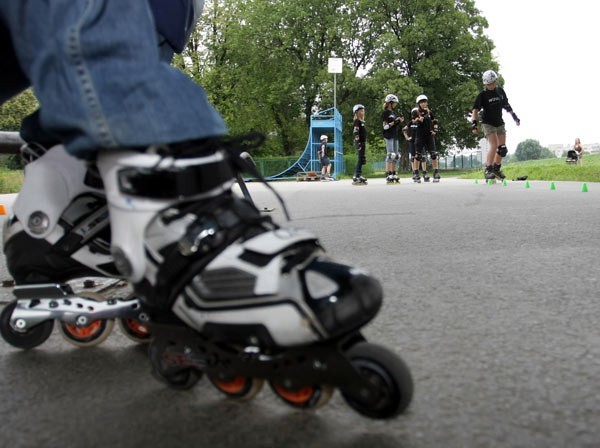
(334, 65)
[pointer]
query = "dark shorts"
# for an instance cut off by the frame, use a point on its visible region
(325, 161)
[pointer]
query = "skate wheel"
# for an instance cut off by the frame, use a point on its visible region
(135, 330)
(92, 334)
(27, 339)
(180, 379)
(240, 388)
(307, 397)
(388, 372)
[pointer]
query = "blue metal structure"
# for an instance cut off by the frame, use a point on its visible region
(327, 122)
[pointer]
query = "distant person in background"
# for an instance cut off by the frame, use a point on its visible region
(488, 106)
(359, 132)
(390, 135)
(576, 153)
(325, 162)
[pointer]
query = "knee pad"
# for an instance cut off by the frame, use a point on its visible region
(502, 150)
(392, 157)
(418, 157)
(434, 155)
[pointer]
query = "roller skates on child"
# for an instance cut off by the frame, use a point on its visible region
(359, 180)
(392, 178)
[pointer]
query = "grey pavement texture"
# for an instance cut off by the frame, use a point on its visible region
(491, 299)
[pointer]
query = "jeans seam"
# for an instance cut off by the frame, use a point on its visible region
(90, 97)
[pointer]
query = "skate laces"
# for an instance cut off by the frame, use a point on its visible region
(32, 151)
(237, 149)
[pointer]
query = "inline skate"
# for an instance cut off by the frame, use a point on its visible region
(59, 233)
(234, 296)
(392, 178)
(359, 180)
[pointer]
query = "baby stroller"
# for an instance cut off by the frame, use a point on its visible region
(572, 156)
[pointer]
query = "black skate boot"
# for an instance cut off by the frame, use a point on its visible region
(498, 172)
(425, 177)
(389, 178)
(359, 180)
(489, 173)
(436, 176)
(395, 177)
(232, 295)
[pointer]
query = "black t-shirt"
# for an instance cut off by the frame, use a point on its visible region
(421, 128)
(323, 150)
(362, 130)
(388, 116)
(492, 102)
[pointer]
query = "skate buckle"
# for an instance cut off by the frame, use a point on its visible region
(188, 247)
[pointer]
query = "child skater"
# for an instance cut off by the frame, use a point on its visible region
(491, 101)
(390, 135)
(360, 143)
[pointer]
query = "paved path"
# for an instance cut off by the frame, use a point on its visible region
(491, 298)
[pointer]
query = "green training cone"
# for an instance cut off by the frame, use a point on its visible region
(526, 184)
(504, 183)
(584, 188)
(489, 181)
(552, 186)
(476, 181)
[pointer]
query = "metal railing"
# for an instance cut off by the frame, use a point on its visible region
(10, 142)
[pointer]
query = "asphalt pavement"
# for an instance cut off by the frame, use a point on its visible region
(491, 299)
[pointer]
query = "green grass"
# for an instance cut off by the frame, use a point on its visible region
(10, 180)
(549, 169)
(546, 169)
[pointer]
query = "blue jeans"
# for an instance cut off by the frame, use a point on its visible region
(96, 70)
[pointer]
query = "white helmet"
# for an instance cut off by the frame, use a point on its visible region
(489, 77)
(357, 107)
(421, 98)
(323, 137)
(391, 98)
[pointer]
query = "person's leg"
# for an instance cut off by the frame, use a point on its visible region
(501, 152)
(12, 79)
(96, 70)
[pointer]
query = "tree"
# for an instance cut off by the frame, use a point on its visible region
(264, 62)
(13, 111)
(532, 150)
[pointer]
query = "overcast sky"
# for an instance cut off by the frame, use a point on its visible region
(549, 58)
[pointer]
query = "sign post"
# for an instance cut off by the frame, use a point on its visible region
(334, 66)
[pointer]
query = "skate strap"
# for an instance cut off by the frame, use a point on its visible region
(174, 182)
(233, 147)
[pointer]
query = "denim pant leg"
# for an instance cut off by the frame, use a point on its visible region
(12, 78)
(95, 67)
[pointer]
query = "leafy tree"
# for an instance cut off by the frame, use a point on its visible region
(264, 63)
(532, 150)
(14, 110)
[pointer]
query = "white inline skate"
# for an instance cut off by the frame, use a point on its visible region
(225, 291)
(236, 297)
(60, 232)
